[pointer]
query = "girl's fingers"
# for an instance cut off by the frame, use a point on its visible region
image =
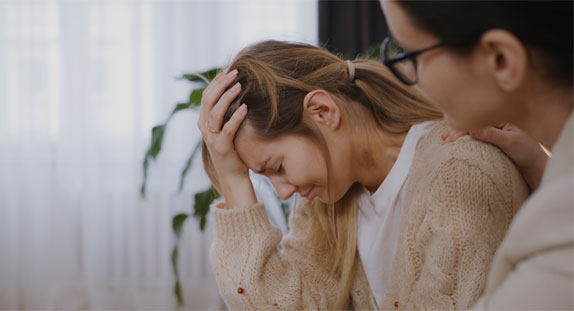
(213, 92)
(207, 90)
(211, 95)
(458, 135)
(218, 112)
(493, 135)
(451, 135)
(230, 128)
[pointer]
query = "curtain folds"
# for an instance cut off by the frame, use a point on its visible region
(82, 84)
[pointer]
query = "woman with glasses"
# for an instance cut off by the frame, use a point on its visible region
(374, 179)
(488, 62)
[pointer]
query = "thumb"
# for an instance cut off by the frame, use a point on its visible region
(491, 135)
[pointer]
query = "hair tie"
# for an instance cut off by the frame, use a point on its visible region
(351, 67)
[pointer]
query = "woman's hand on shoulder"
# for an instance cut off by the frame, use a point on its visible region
(525, 152)
(231, 171)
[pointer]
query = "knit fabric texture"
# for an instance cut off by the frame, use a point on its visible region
(460, 200)
(459, 203)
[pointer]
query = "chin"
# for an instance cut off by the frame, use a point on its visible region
(322, 199)
(460, 124)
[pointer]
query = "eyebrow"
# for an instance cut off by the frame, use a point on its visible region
(262, 169)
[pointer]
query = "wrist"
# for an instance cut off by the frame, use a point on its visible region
(238, 192)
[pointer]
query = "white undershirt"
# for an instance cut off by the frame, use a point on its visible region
(380, 214)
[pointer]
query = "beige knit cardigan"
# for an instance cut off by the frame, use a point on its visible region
(460, 199)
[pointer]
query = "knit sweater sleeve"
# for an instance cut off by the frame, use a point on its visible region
(466, 229)
(257, 268)
(456, 224)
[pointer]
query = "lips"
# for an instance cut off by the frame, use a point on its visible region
(306, 195)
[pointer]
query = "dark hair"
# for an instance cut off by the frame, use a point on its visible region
(544, 25)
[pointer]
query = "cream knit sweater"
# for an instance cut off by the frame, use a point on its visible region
(459, 202)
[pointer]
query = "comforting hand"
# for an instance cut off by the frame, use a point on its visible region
(451, 135)
(525, 152)
(232, 173)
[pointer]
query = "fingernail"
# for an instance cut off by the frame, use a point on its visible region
(236, 87)
(233, 73)
(243, 107)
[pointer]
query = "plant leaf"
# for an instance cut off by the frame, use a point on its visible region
(177, 293)
(178, 107)
(174, 265)
(177, 224)
(374, 52)
(195, 98)
(174, 256)
(188, 166)
(156, 140)
(202, 76)
(153, 151)
(211, 73)
(144, 182)
(201, 207)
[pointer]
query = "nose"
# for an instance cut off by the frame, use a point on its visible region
(283, 187)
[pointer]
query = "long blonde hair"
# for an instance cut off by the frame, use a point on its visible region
(275, 77)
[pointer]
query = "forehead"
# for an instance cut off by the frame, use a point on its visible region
(255, 151)
(251, 148)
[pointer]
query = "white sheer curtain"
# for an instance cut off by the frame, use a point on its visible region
(81, 84)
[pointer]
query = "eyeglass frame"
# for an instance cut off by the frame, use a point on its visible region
(410, 56)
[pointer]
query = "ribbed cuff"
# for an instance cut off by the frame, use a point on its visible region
(244, 221)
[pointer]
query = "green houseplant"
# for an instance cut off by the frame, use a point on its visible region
(202, 199)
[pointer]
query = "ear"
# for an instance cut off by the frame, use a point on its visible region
(321, 108)
(506, 58)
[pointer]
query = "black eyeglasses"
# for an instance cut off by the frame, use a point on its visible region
(404, 66)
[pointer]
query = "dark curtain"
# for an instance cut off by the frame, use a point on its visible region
(351, 27)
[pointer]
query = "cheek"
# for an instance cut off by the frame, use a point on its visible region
(439, 79)
(466, 100)
(306, 168)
